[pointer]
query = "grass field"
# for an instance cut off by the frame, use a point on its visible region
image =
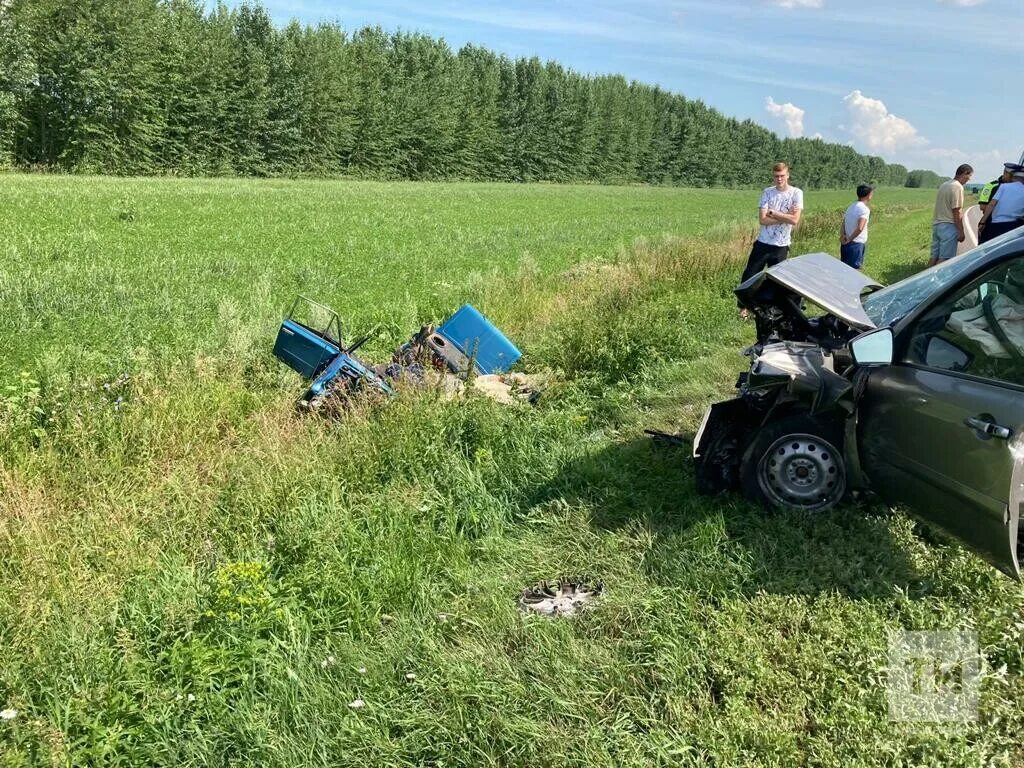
(96, 269)
(196, 574)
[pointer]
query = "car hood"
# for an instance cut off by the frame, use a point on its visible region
(821, 279)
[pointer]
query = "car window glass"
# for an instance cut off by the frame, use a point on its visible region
(888, 305)
(978, 330)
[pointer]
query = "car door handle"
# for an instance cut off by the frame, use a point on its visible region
(989, 428)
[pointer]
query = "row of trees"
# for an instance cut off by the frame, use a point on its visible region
(165, 86)
(924, 179)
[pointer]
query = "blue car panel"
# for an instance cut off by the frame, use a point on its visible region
(473, 334)
(303, 350)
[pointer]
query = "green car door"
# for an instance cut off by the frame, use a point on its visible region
(941, 430)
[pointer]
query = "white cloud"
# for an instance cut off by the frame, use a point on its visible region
(876, 130)
(788, 113)
(962, 3)
(987, 163)
(799, 3)
(874, 126)
(946, 153)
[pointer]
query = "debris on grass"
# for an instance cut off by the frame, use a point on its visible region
(510, 388)
(561, 597)
(467, 350)
(668, 439)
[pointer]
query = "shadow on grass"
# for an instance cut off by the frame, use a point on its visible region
(724, 545)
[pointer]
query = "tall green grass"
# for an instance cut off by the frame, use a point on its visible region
(96, 272)
(197, 574)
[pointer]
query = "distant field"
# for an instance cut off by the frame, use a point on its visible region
(196, 574)
(93, 268)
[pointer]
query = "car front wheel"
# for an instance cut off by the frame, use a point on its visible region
(794, 463)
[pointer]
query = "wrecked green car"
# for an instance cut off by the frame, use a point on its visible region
(914, 392)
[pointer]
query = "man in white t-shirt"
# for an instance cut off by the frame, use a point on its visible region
(778, 212)
(1006, 212)
(853, 234)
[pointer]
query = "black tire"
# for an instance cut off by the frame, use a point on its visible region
(795, 463)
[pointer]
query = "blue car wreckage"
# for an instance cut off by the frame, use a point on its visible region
(466, 343)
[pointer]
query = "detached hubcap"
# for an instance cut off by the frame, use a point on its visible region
(802, 472)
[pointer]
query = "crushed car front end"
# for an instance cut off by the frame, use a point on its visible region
(783, 438)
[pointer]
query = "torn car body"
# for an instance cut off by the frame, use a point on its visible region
(309, 341)
(913, 392)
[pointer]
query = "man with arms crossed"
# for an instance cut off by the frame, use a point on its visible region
(948, 223)
(853, 233)
(779, 211)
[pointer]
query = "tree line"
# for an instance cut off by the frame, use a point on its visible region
(169, 87)
(924, 179)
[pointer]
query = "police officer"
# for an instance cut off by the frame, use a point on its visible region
(989, 190)
(1006, 211)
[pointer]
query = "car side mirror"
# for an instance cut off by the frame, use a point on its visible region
(872, 348)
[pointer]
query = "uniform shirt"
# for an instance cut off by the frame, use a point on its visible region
(988, 191)
(950, 196)
(788, 201)
(1009, 202)
(853, 215)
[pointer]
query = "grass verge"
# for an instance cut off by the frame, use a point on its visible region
(196, 574)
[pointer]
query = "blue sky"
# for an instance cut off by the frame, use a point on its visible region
(927, 83)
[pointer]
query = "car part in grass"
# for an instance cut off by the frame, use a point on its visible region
(666, 438)
(561, 597)
(794, 464)
(310, 342)
(466, 343)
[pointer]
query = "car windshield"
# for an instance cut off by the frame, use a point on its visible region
(888, 305)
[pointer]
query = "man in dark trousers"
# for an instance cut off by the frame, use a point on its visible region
(853, 232)
(778, 212)
(989, 190)
(1006, 212)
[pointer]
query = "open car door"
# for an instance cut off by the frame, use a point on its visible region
(942, 428)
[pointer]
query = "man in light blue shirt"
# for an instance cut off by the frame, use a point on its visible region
(1006, 212)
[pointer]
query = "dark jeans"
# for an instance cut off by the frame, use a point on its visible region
(762, 256)
(852, 254)
(992, 231)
